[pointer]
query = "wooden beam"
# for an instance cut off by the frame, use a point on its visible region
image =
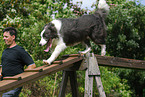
(116, 62)
(28, 77)
(34, 70)
(73, 55)
(120, 62)
(12, 78)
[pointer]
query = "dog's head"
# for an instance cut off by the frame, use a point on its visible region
(49, 32)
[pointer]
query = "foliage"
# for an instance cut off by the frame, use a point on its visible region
(126, 24)
(46, 87)
(126, 31)
(1, 45)
(29, 17)
(115, 86)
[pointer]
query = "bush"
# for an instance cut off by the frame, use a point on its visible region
(126, 31)
(126, 24)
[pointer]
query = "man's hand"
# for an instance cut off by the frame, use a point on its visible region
(1, 77)
(31, 67)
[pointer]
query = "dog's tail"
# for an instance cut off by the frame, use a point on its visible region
(103, 6)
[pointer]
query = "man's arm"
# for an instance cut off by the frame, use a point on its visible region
(0, 73)
(0, 70)
(31, 67)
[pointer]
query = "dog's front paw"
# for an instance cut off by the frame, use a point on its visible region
(103, 53)
(81, 52)
(46, 62)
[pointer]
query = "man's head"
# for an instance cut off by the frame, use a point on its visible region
(9, 35)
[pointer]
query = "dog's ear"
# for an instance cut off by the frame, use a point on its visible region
(53, 31)
(53, 28)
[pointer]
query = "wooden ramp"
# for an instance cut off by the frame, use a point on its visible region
(68, 61)
(28, 76)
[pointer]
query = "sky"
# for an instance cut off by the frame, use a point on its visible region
(142, 2)
(88, 3)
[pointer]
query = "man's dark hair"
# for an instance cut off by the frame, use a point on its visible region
(11, 30)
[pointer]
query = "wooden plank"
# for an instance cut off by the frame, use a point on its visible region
(73, 55)
(12, 78)
(57, 62)
(120, 62)
(6, 85)
(93, 66)
(28, 77)
(34, 70)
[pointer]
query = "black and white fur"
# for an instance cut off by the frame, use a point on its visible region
(69, 32)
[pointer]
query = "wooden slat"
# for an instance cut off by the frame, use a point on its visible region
(57, 62)
(93, 68)
(120, 62)
(34, 70)
(12, 78)
(28, 77)
(73, 55)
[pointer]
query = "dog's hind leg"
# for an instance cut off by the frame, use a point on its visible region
(88, 47)
(99, 40)
(58, 49)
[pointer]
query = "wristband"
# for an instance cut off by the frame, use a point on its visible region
(1, 74)
(1, 77)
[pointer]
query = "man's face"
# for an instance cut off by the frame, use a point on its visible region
(8, 38)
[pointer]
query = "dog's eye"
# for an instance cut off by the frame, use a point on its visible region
(46, 35)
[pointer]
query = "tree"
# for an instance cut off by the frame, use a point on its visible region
(126, 24)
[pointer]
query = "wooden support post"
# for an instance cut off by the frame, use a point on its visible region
(88, 85)
(93, 72)
(63, 84)
(99, 86)
(73, 81)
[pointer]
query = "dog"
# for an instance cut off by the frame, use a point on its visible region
(69, 32)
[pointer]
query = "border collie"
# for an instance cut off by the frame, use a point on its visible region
(69, 32)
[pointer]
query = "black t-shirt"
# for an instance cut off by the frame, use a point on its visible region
(14, 59)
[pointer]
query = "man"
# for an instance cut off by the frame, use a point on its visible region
(14, 58)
